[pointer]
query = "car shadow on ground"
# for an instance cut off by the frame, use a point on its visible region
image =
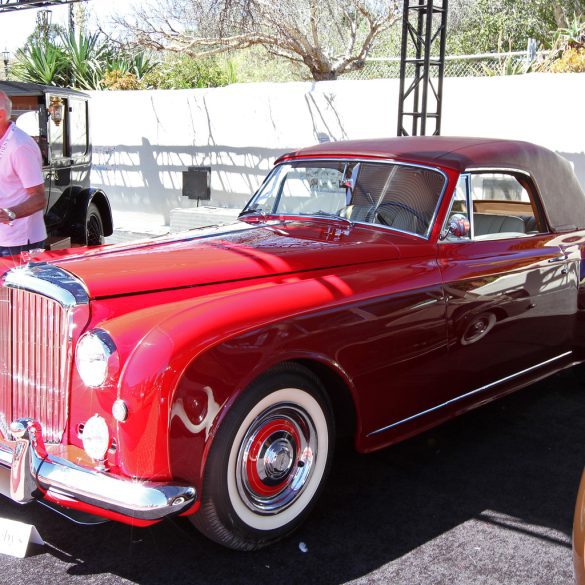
(514, 464)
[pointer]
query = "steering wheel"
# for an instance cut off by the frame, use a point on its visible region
(378, 212)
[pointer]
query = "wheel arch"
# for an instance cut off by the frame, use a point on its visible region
(101, 201)
(230, 513)
(499, 313)
(339, 394)
(335, 383)
(81, 202)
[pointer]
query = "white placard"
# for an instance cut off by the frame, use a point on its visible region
(16, 536)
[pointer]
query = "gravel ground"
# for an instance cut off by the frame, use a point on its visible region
(486, 499)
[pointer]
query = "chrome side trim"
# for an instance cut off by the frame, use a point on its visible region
(50, 281)
(497, 170)
(476, 391)
(32, 471)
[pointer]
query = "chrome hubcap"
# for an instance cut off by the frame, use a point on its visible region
(275, 458)
(478, 328)
(277, 461)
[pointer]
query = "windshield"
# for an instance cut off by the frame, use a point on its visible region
(403, 197)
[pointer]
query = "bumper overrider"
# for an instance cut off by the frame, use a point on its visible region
(33, 473)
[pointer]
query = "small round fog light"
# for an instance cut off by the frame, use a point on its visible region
(120, 410)
(96, 438)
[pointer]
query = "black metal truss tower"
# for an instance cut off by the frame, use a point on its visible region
(12, 5)
(422, 60)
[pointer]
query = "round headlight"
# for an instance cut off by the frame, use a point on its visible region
(96, 438)
(92, 357)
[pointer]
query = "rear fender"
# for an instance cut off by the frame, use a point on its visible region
(79, 213)
(68, 215)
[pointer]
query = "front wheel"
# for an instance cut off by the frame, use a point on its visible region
(269, 461)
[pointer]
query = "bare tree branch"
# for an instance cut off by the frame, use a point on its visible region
(329, 37)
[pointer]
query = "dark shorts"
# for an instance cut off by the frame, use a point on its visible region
(13, 250)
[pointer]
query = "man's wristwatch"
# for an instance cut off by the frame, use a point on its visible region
(11, 215)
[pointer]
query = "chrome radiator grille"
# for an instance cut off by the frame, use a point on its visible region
(35, 360)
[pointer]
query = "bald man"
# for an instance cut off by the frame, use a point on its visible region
(22, 187)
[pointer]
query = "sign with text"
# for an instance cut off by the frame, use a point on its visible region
(16, 536)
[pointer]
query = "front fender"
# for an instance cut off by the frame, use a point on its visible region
(159, 365)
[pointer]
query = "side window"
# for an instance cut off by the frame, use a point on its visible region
(57, 108)
(458, 222)
(28, 115)
(488, 206)
(78, 126)
(503, 206)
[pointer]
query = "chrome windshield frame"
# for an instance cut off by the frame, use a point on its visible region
(345, 159)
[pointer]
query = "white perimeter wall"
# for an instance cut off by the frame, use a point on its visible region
(144, 140)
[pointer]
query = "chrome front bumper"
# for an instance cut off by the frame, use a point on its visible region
(32, 472)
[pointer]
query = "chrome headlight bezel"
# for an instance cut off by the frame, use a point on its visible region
(95, 355)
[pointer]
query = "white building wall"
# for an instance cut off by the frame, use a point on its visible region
(144, 140)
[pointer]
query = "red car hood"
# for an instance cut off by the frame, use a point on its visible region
(231, 253)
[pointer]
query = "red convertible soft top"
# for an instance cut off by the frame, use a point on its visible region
(561, 193)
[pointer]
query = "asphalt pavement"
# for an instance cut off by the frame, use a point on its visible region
(485, 499)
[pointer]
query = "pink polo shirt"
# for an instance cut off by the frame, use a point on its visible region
(20, 169)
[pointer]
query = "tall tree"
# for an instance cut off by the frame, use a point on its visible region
(481, 26)
(329, 37)
(563, 10)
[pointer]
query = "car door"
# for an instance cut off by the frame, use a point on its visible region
(511, 299)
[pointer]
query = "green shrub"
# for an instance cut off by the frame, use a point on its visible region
(184, 72)
(121, 80)
(571, 61)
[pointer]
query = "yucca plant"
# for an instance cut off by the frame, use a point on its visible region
(573, 35)
(87, 58)
(41, 62)
(140, 64)
(77, 60)
(121, 65)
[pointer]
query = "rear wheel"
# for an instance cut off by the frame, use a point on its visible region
(478, 328)
(269, 461)
(94, 226)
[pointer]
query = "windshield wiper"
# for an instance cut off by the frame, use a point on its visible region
(322, 213)
(252, 212)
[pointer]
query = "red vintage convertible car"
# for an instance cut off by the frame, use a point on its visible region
(372, 287)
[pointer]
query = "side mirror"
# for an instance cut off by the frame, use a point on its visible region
(458, 226)
(349, 182)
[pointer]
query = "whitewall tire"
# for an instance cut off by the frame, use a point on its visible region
(268, 462)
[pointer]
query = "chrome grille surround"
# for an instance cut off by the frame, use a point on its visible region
(39, 306)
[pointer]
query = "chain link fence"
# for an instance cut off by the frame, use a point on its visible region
(483, 65)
